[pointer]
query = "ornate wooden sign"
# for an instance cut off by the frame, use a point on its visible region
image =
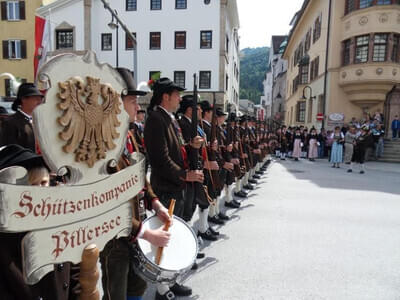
(81, 129)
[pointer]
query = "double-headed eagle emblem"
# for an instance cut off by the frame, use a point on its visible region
(89, 118)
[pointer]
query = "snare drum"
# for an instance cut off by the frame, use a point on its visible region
(178, 257)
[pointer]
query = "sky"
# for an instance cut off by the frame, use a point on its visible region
(260, 19)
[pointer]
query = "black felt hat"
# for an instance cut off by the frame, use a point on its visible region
(232, 117)
(205, 106)
(15, 155)
(141, 111)
(166, 85)
(127, 76)
(243, 119)
(26, 89)
(220, 112)
(187, 101)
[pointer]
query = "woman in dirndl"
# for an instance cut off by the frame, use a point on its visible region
(312, 145)
(297, 144)
(337, 148)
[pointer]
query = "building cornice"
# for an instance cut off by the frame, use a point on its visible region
(55, 5)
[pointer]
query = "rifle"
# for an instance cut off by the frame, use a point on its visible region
(212, 156)
(202, 196)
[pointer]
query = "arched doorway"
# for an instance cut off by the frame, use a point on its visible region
(392, 108)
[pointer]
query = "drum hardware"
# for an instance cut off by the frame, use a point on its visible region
(178, 256)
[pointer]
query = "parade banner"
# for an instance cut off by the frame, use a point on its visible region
(43, 248)
(35, 207)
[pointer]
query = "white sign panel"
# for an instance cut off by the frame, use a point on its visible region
(43, 248)
(34, 207)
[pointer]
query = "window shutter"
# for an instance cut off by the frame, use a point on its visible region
(23, 49)
(4, 10)
(5, 49)
(22, 10)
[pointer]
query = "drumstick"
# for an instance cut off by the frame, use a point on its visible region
(166, 228)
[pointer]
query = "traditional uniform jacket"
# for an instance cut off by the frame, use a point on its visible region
(17, 129)
(163, 140)
(360, 148)
(233, 137)
(227, 156)
(186, 127)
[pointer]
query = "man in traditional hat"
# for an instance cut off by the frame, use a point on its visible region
(56, 284)
(120, 281)
(17, 128)
(164, 144)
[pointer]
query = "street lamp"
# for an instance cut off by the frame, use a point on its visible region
(304, 93)
(114, 25)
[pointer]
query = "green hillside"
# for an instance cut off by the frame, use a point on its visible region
(253, 66)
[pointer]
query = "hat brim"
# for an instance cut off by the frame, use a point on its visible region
(136, 93)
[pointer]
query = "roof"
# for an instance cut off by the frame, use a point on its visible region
(296, 19)
(277, 41)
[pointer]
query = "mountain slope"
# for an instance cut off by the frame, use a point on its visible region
(253, 66)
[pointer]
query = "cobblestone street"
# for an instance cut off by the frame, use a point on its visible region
(308, 232)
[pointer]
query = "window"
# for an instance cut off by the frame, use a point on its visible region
(350, 6)
(106, 41)
(227, 44)
(380, 47)
(205, 80)
(346, 52)
(9, 91)
(206, 39)
(226, 82)
(155, 40)
(307, 43)
(14, 49)
(303, 70)
(179, 78)
(64, 39)
(362, 43)
(180, 4)
(396, 48)
(13, 10)
(317, 29)
(314, 71)
(152, 73)
(180, 39)
(155, 4)
(365, 3)
(129, 43)
(301, 111)
(131, 5)
(295, 84)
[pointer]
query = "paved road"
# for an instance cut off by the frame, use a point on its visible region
(308, 232)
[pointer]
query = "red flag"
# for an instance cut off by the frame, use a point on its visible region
(42, 42)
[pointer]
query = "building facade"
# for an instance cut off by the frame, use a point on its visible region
(177, 38)
(17, 33)
(275, 79)
(343, 61)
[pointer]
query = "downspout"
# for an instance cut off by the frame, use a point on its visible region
(326, 62)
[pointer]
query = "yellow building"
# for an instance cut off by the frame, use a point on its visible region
(361, 39)
(17, 35)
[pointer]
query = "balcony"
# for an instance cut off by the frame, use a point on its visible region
(368, 84)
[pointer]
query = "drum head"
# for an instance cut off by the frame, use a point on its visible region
(182, 248)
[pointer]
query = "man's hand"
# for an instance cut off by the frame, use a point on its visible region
(228, 166)
(211, 165)
(161, 211)
(235, 161)
(157, 237)
(195, 176)
(197, 142)
(244, 155)
(214, 145)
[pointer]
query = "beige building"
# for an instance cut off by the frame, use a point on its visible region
(348, 54)
(17, 35)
